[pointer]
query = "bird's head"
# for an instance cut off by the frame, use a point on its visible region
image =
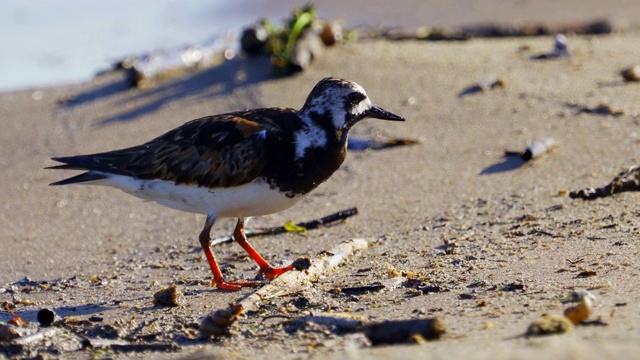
(344, 103)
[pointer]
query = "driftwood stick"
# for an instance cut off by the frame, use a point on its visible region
(295, 279)
(628, 180)
(308, 225)
(35, 337)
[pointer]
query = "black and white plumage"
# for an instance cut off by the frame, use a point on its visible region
(240, 164)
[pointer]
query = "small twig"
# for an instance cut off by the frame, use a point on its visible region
(308, 225)
(628, 180)
(288, 317)
(119, 345)
(344, 322)
(47, 333)
(16, 320)
(313, 224)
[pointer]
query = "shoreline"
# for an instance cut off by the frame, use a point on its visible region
(192, 23)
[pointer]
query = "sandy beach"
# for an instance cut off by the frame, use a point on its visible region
(521, 245)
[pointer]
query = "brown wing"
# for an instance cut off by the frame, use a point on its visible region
(216, 151)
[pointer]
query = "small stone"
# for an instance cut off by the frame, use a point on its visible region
(538, 148)
(218, 322)
(9, 332)
(631, 73)
(560, 46)
(301, 264)
(308, 47)
(584, 309)
(549, 324)
(254, 39)
(46, 317)
(579, 313)
(331, 33)
(404, 331)
(170, 296)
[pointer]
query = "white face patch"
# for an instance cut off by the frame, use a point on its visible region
(333, 100)
(340, 115)
(362, 107)
(310, 136)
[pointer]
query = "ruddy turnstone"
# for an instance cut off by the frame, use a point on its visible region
(237, 165)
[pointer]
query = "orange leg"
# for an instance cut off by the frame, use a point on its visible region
(265, 268)
(205, 242)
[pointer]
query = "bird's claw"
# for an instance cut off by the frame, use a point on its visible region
(271, 273)
(233, 285)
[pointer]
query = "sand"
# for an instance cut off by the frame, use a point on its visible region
(520, 242)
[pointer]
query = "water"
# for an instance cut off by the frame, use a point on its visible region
(47, 42)
(52, 42)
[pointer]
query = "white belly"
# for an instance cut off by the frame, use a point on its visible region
(252, 199)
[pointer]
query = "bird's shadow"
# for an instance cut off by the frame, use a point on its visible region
(470, 90)
(216, 81)
(509, 163)
(97, 93)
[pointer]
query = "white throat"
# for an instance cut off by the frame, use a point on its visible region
(310, 136)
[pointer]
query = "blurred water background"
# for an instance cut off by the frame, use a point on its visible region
(46, 42)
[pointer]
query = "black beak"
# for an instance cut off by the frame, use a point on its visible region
(379, 113)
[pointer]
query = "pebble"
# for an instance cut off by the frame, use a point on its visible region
(631, 73)
(583, 310)
(218, 322)
(170, 296)
(46, 317)
(549, 324)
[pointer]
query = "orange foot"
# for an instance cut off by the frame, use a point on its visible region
(272, 273)
(234, 285)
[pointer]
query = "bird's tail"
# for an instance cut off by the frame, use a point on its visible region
(84, 177)
(75, 163)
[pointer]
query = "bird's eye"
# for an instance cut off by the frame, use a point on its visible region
(355, 97)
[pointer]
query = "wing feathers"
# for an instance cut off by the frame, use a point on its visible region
(217, 151)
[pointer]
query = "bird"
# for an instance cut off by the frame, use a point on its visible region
(237, 165)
